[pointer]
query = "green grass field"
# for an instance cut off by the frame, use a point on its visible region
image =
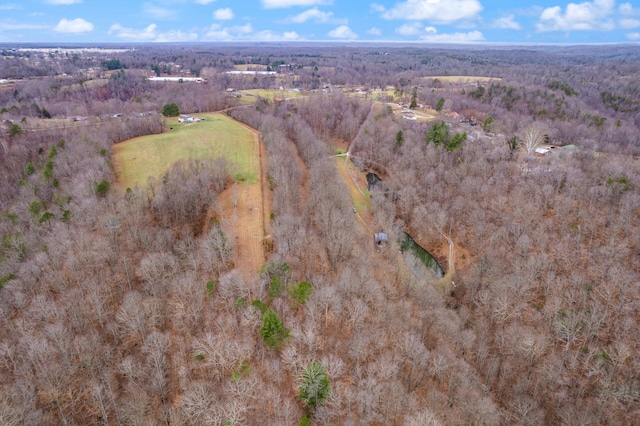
(269, 93)
(217, 136)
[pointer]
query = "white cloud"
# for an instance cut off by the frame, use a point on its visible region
(217, 32)
(374, 31)
(150, 33)
(506, 23)
(246, 33)
(204, 2)
(629, 23)
(74, 26)
(269, 35)
(59, 2)
(176, 36)
(157, 12)
(411, 29)
(439, 11)
(578, 16)
(343, 32)
(633, 36)
(626, 9)
(277, 4)
(318, 16)
(9, 6)
(432, 36)
(631, 16)
(223, 14)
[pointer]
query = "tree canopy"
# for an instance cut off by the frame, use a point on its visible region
(170, 110)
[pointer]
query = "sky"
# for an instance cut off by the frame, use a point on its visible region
(421, 21)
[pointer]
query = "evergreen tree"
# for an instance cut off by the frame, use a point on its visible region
(438, 134)
(414, 98)
(170, 110)
(272, 330)
(315, 387)
(399, 139)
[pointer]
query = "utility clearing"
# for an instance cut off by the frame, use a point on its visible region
(243, 211)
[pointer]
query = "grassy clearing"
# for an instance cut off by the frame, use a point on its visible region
(270, 93)
(360, 202)
(217, 136)
(250, 67)
(463, 79)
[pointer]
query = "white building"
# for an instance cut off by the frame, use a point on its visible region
(177, 79)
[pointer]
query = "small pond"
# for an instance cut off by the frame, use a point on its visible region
(421, 263)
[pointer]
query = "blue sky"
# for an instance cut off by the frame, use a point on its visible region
(427, 21)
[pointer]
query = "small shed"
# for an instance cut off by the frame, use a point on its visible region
(381, 237)
(542, 151)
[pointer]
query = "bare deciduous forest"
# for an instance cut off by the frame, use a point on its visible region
(123, 305)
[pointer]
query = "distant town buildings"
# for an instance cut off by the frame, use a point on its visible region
(236, 72)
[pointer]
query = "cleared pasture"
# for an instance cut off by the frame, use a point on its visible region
(250, 67)
(461, 79)
(270, 94)
(138, 159)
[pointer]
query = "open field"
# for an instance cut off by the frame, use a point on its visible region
(216, 136)
(250, 67)
(420, 115)
(88, 84)
(361, 200)
(269, 93)
(462, 79)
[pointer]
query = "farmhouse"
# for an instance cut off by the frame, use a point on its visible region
(177, 79)
(188, 119)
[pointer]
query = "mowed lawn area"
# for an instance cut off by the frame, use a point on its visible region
(270, 94)
(216, 136)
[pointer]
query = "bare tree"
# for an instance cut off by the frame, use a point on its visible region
(532, 137)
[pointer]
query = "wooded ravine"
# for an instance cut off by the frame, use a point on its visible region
(127, 306)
